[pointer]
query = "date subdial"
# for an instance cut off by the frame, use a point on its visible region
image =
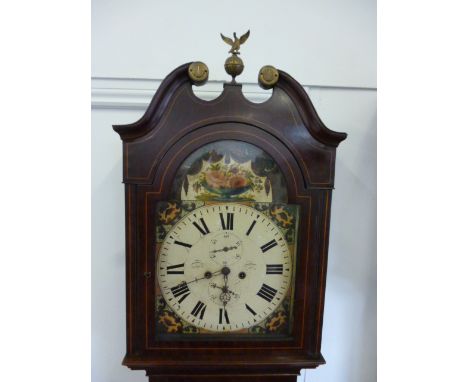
(225, 249)
(221, 294)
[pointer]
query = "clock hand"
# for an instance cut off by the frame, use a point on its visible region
(224, 294)
(195, 280)
(224, 249)
(206, 276)
(224, 289)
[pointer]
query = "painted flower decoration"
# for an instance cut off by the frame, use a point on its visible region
(170, 322)
(216, 178)
(169, 213)
(227, 180)
(237, 181)
(277, 322)
(284, 218)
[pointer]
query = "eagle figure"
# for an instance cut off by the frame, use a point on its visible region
(235, 45)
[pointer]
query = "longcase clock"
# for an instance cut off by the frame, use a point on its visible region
(227, 225)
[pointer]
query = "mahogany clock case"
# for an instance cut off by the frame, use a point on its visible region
(176, 124)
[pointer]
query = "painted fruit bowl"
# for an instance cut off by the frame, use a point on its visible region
(218, 183)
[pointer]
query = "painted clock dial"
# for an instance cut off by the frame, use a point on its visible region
(224, 267)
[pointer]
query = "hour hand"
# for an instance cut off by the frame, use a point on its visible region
(224, 249)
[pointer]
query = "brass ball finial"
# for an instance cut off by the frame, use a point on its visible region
(234, 66)
(268, 77)
(198, 73)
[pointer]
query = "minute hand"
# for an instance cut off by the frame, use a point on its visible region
(204, 277)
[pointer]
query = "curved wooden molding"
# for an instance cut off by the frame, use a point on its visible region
(175, 111)
(179, 76)
(308, 113)
(157, 105)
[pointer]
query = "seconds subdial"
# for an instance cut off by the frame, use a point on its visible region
(225, 248)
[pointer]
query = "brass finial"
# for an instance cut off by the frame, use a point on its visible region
(268, 77)
(233, 64)
(198, 72)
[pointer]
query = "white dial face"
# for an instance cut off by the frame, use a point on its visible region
(224, 267)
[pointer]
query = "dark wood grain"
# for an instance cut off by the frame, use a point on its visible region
(177, 123)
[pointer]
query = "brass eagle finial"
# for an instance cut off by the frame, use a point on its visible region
(235, 45)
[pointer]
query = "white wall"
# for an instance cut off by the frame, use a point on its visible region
(324, 42)
(329, 46)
